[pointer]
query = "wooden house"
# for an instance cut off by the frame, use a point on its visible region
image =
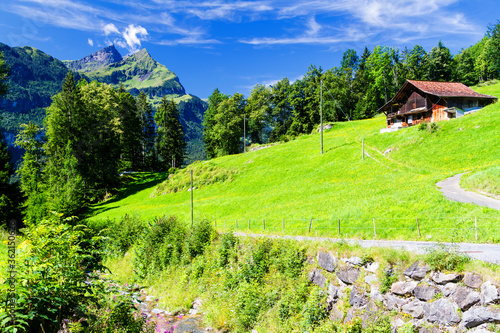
(427, 101)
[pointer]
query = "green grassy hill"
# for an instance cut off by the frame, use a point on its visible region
(292, 181)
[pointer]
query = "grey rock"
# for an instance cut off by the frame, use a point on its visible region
(442, 278)
(376, 295)
(417, 272)
(448, 289)
(371, 279)
(372, 267)
(489, 293)
(317, 278)
(425, 293)
(334, 292)
(403, 288)
(414, 308)
(157, 311)
(348, 275)
(464, 297)
(479, 315)
(393, 302)
(327, 261)
(442, 311)
(357, 261)
(472, 280)
(357, 298)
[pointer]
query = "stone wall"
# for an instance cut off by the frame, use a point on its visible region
(426, 300)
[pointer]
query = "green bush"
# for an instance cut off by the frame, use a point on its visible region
(288, 257)
(315, 310)
(53, 282)
(200, 237)
(228, 242)
(257, 263)
(444, 257)
(292, 301)
(124, 234)
(388, 279)
(159, 246)
(248, 305)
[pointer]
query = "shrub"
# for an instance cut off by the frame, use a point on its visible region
(200, 237)
(443, 257)
(160, 245)
(387, 280)
(292, 301)
(124, 234)
(289, 258)
(248, 305)
(52, 279)
(228, 241)
(257, 263)
(315, 311)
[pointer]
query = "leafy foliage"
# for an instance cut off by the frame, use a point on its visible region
(445, 257)
(171, 142)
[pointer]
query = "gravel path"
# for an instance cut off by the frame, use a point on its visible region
(484, 252)
(451, 189)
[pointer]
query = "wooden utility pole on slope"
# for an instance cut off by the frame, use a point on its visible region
(321, 115)
(192, 220)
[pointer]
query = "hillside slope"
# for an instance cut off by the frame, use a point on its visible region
(292, 181)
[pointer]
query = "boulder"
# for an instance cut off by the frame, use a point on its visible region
(417, 272)
(442, 311)
(317, 278)
(489, 293)
(357, 298)
(334, 292)
(448, 289)
(414, 309)
(371, 279)
(327, 261)
(372, 267)
(356, 261)
(472, 280)
(425, 293)
(442, 278)
(403, 288)
(464, 297)
(376, 295)
(393, 302)
(348, 275)
(479, 315)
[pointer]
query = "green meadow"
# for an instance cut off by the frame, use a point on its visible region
(292, 185)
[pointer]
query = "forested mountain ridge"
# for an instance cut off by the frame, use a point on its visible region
(140, 72)
(34, 77)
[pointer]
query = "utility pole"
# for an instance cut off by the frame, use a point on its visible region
(192, 221)
(321, 114)
(244, 130)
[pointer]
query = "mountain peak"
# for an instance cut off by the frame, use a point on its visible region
(96, 60)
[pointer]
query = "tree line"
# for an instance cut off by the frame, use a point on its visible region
(91, 133)
(354, 90)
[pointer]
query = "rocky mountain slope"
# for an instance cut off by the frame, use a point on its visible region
(96, 60)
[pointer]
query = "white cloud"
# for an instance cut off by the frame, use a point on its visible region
(91, 42)
(133, 34)
(110, 28)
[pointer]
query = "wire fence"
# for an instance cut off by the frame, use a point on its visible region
(437, 228)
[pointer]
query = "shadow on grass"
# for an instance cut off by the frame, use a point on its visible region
(134, 183)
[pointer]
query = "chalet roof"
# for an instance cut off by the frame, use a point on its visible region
(447, 89)
(439, 89)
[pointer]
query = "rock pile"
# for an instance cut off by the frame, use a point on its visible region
(430, 301)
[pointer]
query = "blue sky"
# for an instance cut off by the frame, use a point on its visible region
(233, 45)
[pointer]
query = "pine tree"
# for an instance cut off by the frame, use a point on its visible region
(130, 130)
(148, 133)
(32, 184)
(214, 101)
(171, 141)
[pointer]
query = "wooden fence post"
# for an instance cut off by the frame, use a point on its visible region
(248, 224)
(264, 223)
(283, 225)
(418, 227)
(374, 230)
(236, 224)
(215, 221)
(225, 224)
(475, 225)
(310, 225)
(339, 226)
